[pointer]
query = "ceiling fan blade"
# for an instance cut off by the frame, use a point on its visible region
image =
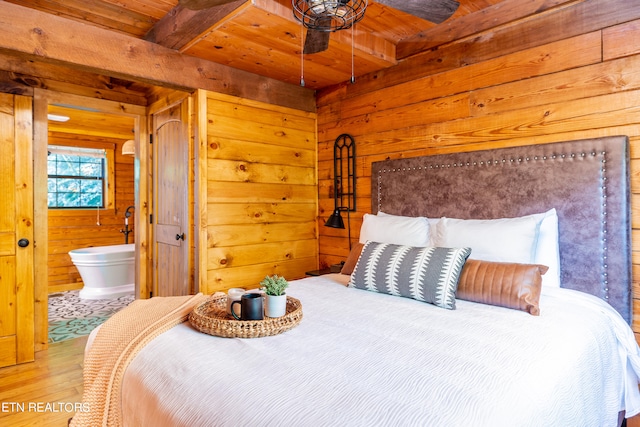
(435, 11)
(202, 4)
(316, 41)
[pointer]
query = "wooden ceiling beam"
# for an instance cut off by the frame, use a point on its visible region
(34, 35)
(485, 19)
(179, 28)
(10, 83)
(36, 74)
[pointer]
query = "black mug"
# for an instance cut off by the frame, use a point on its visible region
(250, 307)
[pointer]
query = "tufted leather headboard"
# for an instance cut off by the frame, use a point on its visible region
(587, 181)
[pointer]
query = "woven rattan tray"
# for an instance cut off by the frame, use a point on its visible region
(211, 318)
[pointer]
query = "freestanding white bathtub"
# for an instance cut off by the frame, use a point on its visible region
(107, 271)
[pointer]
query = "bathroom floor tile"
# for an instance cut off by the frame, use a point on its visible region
(72, 317)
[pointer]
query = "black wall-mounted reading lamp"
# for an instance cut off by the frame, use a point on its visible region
(344, 182)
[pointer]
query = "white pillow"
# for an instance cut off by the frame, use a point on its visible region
(545, 252)
(500, 240)
(398, 230)
(433, 222)
(548, 249)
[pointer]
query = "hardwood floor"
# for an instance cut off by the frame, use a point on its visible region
(45, 392)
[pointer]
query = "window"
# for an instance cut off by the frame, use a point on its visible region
(77, 177)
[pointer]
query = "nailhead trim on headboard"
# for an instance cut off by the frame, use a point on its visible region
(603, 228)
(508, 160)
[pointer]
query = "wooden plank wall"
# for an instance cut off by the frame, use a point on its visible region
(261, 192)
(570, 73)
(73, 229)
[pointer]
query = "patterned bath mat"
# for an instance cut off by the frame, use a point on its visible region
(72, 317)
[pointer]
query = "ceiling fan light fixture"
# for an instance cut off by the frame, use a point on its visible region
(320, 17)
(328, 15)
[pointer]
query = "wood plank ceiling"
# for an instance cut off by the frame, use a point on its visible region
(260, 36)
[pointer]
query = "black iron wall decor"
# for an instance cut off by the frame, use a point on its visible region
(344, 180)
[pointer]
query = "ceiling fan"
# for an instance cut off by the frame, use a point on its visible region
(322, 17)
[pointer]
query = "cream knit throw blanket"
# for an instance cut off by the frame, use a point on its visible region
(117, 342)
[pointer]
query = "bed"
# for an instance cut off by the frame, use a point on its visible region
(547, 345)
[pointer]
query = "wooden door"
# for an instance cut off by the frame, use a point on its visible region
(16, 230)
(171, 202)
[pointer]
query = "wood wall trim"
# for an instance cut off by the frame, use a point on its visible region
(106, 106)
(200, 200)
(40, 223)
(141, 171)
(34, 35)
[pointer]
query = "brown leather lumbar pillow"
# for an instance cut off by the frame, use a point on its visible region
(352, 259)
(509, 285)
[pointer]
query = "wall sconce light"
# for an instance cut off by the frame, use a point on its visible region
(344, 182)
(129, 148)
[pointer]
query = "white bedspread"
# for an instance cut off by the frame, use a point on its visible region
(364, 359)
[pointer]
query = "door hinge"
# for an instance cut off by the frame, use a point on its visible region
(150, 218)
(150, 138)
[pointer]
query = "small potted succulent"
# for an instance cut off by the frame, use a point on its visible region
(276, 299)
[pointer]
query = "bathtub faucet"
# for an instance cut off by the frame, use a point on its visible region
(126, 230)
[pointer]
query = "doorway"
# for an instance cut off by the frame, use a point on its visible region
(103, 225)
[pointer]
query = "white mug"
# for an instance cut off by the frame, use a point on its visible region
(234, 294)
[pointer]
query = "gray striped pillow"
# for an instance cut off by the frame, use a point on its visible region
(428, 274)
